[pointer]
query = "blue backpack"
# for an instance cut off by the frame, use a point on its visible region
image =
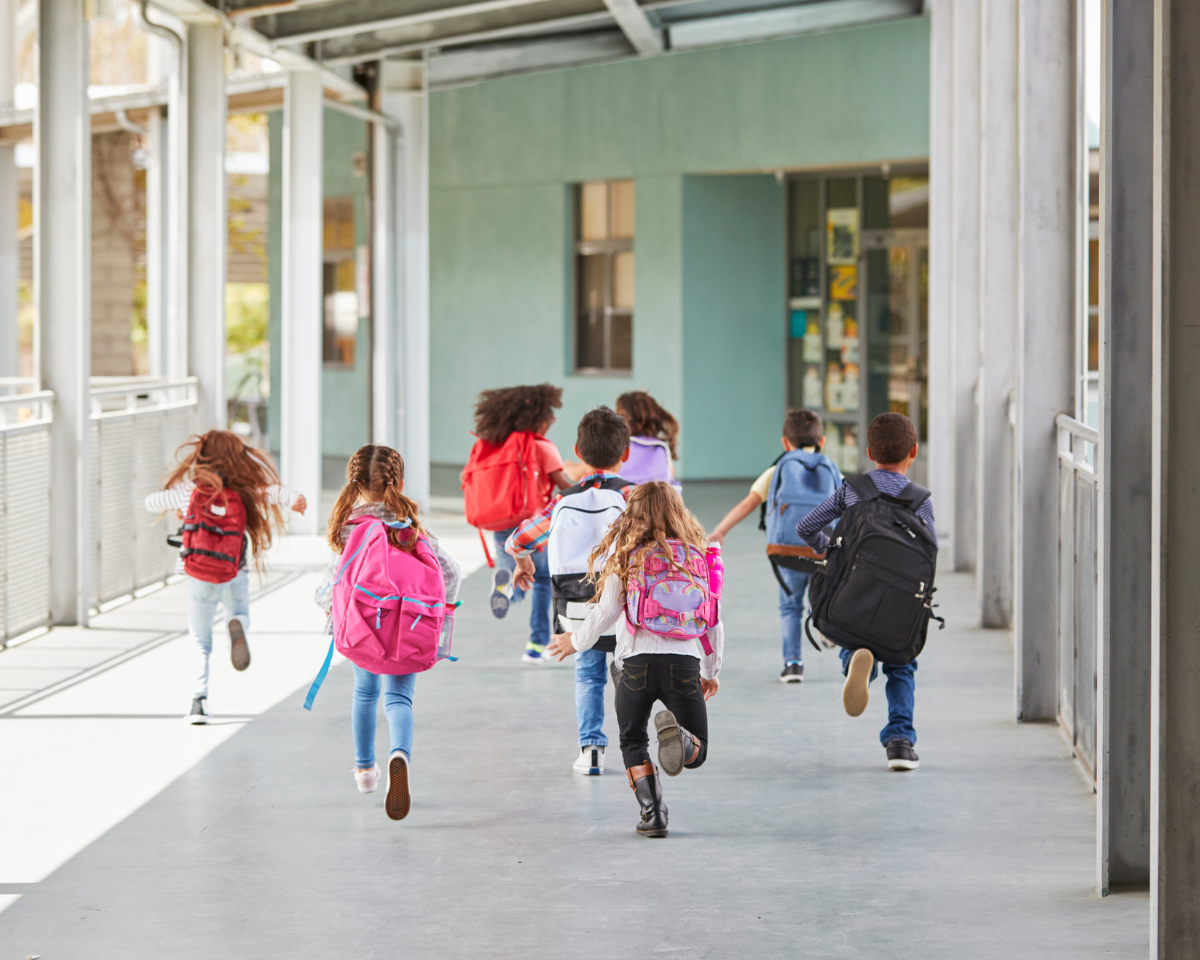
(801, 482)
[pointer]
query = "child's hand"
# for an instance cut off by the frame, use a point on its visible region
(710, 687)
(525, 571)
(560, 646)
(575, 470)
(717, 536)
(300, 505)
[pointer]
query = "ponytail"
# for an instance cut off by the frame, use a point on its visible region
(376, 473)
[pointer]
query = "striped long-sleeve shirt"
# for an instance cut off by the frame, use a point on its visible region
(812, 528)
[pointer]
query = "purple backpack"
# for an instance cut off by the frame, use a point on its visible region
(674, 597)
(649, 459)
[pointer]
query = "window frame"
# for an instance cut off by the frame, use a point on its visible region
(609, 249)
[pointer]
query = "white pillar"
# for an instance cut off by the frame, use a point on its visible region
(302, 307)
(1126, 427)
(1045, 335)
(997, 311)
(964, 294)
(207, 219)
(159, 66)
(386, 268)
(941, 438)
(63, 291)
(9, 250)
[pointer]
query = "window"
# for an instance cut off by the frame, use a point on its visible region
(604, 277)
(339, 283)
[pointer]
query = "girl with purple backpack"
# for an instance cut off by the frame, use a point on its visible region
(652, 436)
(657, 573)
(379, 546)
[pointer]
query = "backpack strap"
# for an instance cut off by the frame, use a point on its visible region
(762, 509)
(320, 679)
(915, 494)
(863, 486)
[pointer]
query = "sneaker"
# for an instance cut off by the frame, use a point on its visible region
(367, 780)
(902, 756)
(855, 694)
(239, 650)
(535, 654)
(502, 588)
(198, 714)
(397, 801)
(590, 762)
(792, 673)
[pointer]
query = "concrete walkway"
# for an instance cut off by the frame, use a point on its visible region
(124, 832)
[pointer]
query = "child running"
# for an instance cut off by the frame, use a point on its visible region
(375, 488)
(232, 496)
(652, 437)
(650, 666)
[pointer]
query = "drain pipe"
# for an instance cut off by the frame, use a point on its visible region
(129, 126)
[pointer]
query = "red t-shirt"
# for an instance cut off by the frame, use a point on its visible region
(549, 462)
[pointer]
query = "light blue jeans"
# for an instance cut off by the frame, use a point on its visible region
(203, 598)
(591, 673)
(539, 615)
(791, 614)
(397, 707)
(901, 691)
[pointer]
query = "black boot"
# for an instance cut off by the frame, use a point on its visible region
(644, 781)
(676, 746)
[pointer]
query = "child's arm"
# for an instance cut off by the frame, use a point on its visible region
(812, 528)
(451, 572)
(561, 480)
(324, 594)
(735, 516)
(283, 496)
(601, 620)
(173, 498)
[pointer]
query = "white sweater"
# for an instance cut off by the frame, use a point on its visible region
(610, 608)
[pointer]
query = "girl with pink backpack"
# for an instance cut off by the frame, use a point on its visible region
(655, 570)
(390, 592)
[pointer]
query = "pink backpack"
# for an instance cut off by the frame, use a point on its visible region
(679, 604)
(390, 614)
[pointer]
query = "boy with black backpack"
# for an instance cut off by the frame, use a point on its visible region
(800, 479)
(875, 597)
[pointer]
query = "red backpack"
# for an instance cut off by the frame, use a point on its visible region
(500, 484)
(214, 532)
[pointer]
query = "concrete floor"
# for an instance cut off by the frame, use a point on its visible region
(793, 841)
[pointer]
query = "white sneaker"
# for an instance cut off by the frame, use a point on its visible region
(367, 780)
(199, 712)
(590, 762)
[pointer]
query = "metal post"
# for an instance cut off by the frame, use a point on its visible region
(964, 294)
(9, 251)
(302, 308)
(1126, 418)
(997, 311)
(63, 291)
(207, 220)
(1175, 522)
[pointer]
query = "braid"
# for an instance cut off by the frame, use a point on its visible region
(376, 472)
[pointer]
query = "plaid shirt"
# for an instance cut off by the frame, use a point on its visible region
(533, 533)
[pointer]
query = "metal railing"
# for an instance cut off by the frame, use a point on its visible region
(25, 419)
(136, 428)
(1077, 585)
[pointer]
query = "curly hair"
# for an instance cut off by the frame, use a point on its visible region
(375, 474)
(499, 413)
(653, 515)
(647, 419)
(219, 459)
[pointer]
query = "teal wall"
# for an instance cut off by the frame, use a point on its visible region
(709, 251)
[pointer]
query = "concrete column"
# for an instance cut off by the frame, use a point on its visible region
(9, 253)
(63, 289)
(997, 311)
(941, 266)
(1175, 521)
(964, 293)
(1126, 422)
(302, 307)
(386, 268)
(1046, 109)
(207, 219)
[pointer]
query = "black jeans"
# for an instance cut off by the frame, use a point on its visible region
(670, 677)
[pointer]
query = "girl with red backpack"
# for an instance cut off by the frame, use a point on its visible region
(390, 591)
(657, 572)
(229, 498)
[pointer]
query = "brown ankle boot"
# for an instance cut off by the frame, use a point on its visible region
(644, 781)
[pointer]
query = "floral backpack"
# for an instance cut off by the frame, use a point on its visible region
(676, 597)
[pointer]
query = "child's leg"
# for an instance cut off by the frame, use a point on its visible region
(685, 698)
(362, 716)
(202, 607)
(590, 669)
(901, 686)
(791, 614)
(235, 598)
(539, 614)
(634, 699)
(397, 707)
(505, 561)
(847, 654)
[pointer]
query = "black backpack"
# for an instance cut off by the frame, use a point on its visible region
(876, 591)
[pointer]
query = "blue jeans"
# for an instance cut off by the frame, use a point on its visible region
(203, 598)
(591, 673)
(901, 684)
(397, 707)
(791, 614)
(539, 616)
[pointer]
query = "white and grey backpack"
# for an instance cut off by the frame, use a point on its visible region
(580, 519)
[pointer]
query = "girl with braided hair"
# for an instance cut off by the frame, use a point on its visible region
(375, 488)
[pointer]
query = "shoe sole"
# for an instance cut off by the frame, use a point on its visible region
(398, 800)
(539, 660)
(239, 650)
(670, 744)
(499, 600)
(791, 679)
(196, 721)
(652, 834)
(903, 764)
(588, 771)
(855, 694)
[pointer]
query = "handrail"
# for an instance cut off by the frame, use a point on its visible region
(1077, 428)
(142, 386)
(25, 399)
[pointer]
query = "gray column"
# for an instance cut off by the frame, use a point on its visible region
(9, 252)
(964, 293)
(997, 312)
(1126, 418)
(1175, 520)
(207, 219)
(302, 307)
(63, 290)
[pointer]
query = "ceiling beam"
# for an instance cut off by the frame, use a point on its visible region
(469, 66)
(647, 39)
(787, 21)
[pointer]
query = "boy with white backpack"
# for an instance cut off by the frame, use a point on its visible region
(800, 480)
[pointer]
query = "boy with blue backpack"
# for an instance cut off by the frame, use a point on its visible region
(786, 492)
